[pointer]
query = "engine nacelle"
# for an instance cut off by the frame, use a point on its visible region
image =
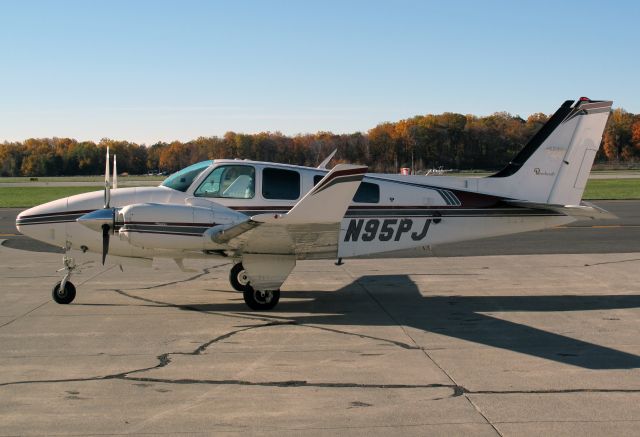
(174, 227)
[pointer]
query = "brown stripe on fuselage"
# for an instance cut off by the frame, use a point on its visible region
(348, 172)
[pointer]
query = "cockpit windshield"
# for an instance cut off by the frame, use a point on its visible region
(183, 179)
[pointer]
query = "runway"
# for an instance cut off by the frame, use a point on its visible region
(529, 344)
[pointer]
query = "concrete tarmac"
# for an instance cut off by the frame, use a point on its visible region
(487, 345)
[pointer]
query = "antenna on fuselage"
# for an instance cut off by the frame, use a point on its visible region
(324, 163)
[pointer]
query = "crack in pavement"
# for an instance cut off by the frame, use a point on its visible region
(165, 358)
(612, 262)
(355, 334)
(25, 314)
(462, 390)
(271, 321)
(205, 271)
(265, 318)
(458, 390)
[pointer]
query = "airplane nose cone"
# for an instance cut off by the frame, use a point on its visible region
(21, 218)
(44, 222)
(28, 217)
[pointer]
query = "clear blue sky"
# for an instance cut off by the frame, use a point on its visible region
(158, 70)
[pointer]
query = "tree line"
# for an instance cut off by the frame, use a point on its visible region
(422, 142)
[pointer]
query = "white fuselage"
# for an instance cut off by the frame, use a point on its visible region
(394, 214)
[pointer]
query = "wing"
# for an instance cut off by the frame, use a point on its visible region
(310, 228)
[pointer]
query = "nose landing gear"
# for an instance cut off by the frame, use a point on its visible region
(64, 291)
(63, 294)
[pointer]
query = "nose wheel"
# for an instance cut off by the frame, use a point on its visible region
(63, 293)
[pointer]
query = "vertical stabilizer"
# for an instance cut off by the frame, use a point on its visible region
(554, 166)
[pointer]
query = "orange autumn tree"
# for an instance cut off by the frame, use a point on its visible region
(617, 134)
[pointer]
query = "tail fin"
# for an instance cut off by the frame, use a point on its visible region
(554, 166)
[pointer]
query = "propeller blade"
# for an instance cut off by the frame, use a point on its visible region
(107, 183)
(105, 241)
(115, 173)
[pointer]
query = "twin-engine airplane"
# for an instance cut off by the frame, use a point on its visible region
(266, 216)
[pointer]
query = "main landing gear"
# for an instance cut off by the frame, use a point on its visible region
(259, 300)
(238, 278)
(64, 291)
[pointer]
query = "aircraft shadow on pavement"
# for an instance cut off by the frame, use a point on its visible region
(395, 299)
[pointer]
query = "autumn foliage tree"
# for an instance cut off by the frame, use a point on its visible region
(617, 143)
(635, 138)
(423, 142)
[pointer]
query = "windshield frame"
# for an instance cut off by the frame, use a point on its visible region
(190, 175)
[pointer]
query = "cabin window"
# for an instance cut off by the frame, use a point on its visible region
(280, 184)
(229, 181)
(367, 192)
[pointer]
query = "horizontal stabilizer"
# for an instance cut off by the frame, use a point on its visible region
(583, 211)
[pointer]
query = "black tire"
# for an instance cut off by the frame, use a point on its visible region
(64, 296)
(238, 278)
(261, 300)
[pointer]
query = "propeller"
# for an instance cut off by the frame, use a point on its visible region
(105, 241)
(107, 183)
(106, 228)
(104, 219)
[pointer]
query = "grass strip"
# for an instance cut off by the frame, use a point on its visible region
(129, 179)
(17, 197)
(614, 189)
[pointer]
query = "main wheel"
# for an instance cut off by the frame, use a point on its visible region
(64, 296)
(238, 278)
(260, 300)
